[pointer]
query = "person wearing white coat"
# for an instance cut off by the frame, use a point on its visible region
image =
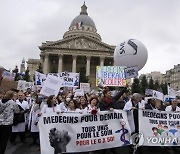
(173, 107)
(73, 107)
(51, 106)
(33, 120)
(132, 111)
(20, 127)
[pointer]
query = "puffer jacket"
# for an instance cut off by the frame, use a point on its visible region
(7, 110)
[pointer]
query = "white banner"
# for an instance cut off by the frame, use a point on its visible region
(51, 86)
(70, 132)
(159, 128)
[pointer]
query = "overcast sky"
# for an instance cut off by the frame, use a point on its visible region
(25, 24)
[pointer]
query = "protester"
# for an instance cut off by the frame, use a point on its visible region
(173, 107)
(151, 104)
(73, 107)
(132, 107)
(64, 105)
(7, 109)
(33, 120)
(82, 103)
(59, 98)
(107, 100)
(92, 106)
(119, 104)
(19, 126)
(51, 106)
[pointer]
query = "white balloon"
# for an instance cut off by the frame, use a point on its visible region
(130, 53)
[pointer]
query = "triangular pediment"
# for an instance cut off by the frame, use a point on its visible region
(79, 42)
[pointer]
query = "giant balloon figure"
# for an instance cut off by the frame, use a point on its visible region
(130, 53)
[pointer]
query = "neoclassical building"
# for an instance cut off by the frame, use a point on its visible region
(80, 47)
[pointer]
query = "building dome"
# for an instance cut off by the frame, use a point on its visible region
(83, 18)
(82, 25)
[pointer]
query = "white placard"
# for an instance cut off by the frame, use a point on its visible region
(85, 87)
(51, 86)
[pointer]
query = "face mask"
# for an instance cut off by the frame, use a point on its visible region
(68, 99)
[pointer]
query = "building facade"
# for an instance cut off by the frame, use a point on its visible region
(172, 77)
(80, 47)
(156, 76)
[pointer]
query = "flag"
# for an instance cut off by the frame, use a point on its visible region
(79, 24)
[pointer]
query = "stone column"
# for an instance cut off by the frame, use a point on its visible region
(102, 61)
(74, 63)
(46, 64)
(60, 64)
(88, 58)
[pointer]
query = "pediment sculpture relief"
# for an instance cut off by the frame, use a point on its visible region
(82, 43)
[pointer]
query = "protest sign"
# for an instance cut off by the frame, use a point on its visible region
(154, 94)
(110, 76)
(21, 85)
(74, 132)
(39, 78)
(172, 92)
(85, 87)
(159, 128)
(69, 79)
(79, 92)
(158, 95)
(149, 92)
(8, 75)
(51, 86)
(131, 72)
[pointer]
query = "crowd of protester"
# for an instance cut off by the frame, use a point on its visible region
(20, 111)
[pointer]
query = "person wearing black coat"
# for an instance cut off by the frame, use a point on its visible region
(107, 102)
(119, 104)
(151, 104)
